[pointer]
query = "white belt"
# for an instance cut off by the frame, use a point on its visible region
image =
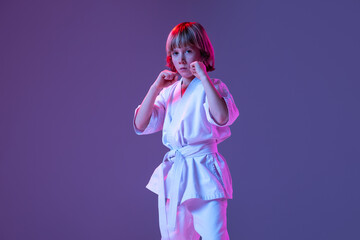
(177, 156)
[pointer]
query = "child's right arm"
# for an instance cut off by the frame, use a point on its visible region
(165, 79)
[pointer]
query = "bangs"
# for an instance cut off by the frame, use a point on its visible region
(182, 37)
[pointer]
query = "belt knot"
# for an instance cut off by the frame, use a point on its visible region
(178, 157)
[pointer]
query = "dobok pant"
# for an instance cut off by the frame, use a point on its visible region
(196, 217)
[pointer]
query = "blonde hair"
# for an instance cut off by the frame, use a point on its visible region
(193, 34)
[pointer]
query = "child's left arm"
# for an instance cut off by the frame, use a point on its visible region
(217, 104)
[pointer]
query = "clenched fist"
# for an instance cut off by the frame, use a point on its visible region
(165, 79)
(198, 69)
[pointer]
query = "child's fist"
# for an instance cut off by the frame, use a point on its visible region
(198, 69)
(165, 79)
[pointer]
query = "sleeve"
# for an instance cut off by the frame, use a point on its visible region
(157, 116)
(232, 109)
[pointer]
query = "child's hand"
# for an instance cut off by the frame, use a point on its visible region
(198, 69)
(165, 79)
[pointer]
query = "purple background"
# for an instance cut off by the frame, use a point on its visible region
(72, 73)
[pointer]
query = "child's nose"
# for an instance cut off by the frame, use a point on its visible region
(182, 58)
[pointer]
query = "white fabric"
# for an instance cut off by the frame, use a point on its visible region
(193, 168)
(178, 157)
(196, 217)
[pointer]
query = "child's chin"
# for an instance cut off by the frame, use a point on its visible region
(186, 75)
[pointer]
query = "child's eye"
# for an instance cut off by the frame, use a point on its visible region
(189, 51)
(174, 53)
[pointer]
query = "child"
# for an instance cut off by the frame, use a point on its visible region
(193, 182)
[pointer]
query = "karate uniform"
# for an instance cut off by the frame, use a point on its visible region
(192, 168)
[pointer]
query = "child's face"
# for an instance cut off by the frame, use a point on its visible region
(182, 57)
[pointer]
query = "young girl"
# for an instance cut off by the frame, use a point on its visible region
(193, 182)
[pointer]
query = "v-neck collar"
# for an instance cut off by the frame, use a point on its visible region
(180, 104)
(188, 86)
